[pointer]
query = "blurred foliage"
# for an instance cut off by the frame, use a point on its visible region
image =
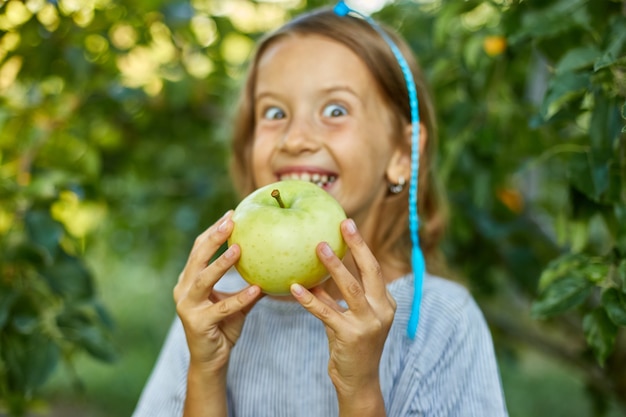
(113, 130)
(531, 99)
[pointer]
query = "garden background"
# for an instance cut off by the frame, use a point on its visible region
(114, 122)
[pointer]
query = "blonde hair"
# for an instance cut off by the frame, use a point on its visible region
(392, 237)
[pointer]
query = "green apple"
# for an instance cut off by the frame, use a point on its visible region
(278, 227)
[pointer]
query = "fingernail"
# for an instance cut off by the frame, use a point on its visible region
(350, 226)
(223, 226)
(253, 290)
(297, 289)
(230, 252)
(326, 250)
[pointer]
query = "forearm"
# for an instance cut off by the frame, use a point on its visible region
(206, 394)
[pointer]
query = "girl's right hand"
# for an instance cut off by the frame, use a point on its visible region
(212, 320)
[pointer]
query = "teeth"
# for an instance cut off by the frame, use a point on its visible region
(315, 178)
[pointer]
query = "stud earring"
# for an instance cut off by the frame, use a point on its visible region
(398, 187)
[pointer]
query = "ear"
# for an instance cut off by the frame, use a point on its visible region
(400, 161)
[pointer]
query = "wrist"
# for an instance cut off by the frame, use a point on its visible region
(206, 374)
(364, 401)
(206, 393)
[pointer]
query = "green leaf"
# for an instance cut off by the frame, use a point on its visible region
(577, 58)
(613, 52)
(552, 20)
(562, 295)
(594, 269)
(614, 303)
(95, 341)
(82, 324)
(605, 126)
(25, 323)
(29, 359)
(579, 235)
(600, 333)
(559, 268)
(619, 227)
(621, 273)
(29, 253)
(7, 299)
(561, 90)
(596, 177)
(44, 230)
(69, 278)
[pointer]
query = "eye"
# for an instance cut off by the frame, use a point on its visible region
(334, 110)
(273, 113)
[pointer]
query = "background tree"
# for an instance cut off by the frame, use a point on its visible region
(113, 129)
(534, 158)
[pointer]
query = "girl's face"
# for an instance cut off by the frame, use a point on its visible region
(319, 116)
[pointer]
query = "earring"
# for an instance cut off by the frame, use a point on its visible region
(397, 188)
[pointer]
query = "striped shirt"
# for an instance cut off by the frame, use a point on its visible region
(278, 367)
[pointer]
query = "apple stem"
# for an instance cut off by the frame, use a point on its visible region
(276, 195)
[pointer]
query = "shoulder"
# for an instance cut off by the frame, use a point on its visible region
(443, 301)
(451, 357)
(449, 319)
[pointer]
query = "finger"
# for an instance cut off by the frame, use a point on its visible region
(319, 309)
(217, 296)
(207, 243)
(351, 289)
(203, 283)
(324, 297)
(240, 302)
(369, 268)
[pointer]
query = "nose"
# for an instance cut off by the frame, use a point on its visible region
(300, 136)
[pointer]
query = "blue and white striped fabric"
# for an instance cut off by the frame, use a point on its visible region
(279, 366)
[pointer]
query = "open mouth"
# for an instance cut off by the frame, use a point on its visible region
(320, 179)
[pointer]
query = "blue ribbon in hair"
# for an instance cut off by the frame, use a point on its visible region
(417, 257)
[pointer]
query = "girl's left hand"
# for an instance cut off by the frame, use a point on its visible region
(356, 335)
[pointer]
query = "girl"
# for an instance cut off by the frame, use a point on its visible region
(326, 98)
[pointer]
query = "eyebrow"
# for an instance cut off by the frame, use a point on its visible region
(326, 90)
(341, 88)
(259, 95)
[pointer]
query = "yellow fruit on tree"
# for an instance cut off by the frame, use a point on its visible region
(494, 45)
